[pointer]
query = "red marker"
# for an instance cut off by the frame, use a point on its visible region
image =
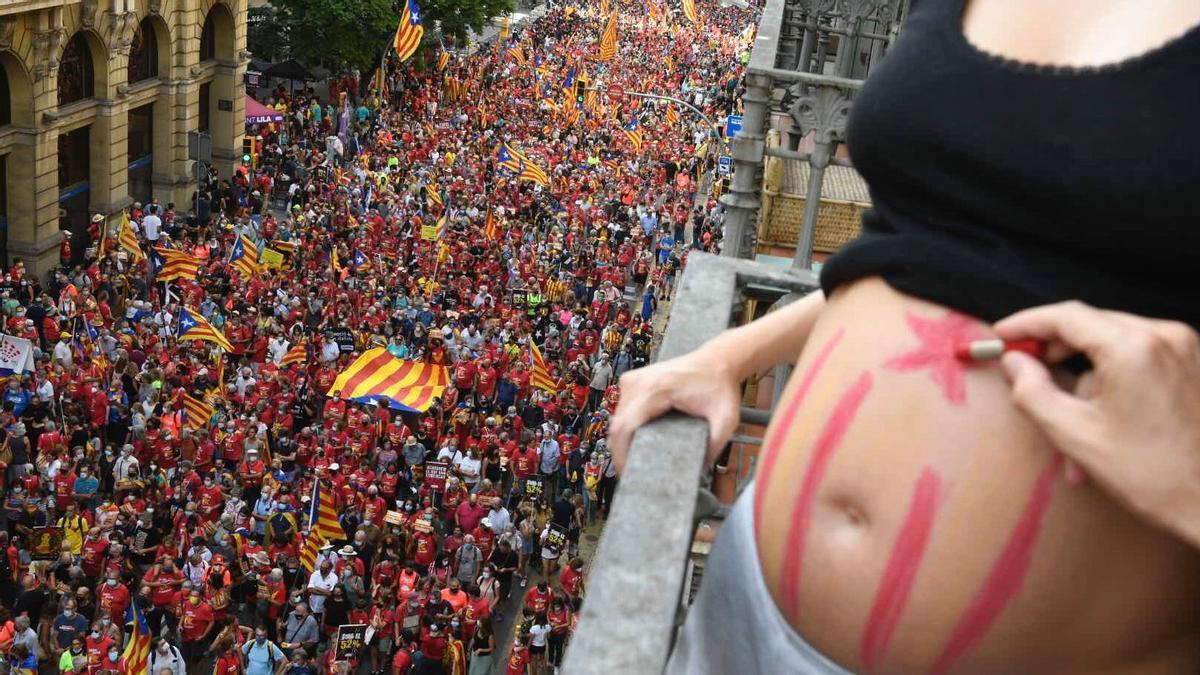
(987, 350)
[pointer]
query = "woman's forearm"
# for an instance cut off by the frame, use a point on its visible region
(776, 338)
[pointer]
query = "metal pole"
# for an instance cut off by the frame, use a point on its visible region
(742, 200)
(822, 151)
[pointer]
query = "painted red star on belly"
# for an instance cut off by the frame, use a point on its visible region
(939, 338)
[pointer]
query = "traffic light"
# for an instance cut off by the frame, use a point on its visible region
(249, 156)
(580, 90)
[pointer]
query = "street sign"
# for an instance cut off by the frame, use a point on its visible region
(725, 165)
(733, 124)
(616, 91)
(200, 146)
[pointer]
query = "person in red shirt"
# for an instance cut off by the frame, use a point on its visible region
(164, 580)
(97, 645)
(95, 549)
(195, 623)
(538, 598)
(433, 642)
(113, 596)
(211, 500)
(570, 581)
(518, 658)
(229, 662)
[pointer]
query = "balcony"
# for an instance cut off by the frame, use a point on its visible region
(17, 6)
(809, 59)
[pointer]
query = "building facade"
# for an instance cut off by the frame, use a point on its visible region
(96, 103)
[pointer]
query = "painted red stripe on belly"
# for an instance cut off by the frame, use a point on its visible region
(1007, 575)
(901, 571)
(786, 420)
(831, 436)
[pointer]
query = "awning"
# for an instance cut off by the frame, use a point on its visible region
(257, 113)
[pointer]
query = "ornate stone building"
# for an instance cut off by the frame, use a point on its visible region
(96, 103)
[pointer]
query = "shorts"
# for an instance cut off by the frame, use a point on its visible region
(734, 625)
(384, 645)
(535, 649)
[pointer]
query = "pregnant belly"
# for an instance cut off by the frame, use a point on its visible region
(910, 520)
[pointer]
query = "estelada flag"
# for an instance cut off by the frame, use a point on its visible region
(379, 377)
(196, 413)
(409, 32)
(322, 518)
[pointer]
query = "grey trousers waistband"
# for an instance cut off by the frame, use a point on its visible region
(734, 627)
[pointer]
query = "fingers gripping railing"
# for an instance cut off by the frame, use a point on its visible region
(633, 601)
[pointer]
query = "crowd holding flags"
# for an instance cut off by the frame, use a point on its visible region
(490, 229)
(172, 264)
(608, 41)
(672, 116)
(193, 326)
(322, 518)
(516, 53)
(409, 32)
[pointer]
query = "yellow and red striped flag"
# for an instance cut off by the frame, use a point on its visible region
(634, 133)
(196, 413)
(297, 354)
(176, 264)
(539, 374)
(127, 239)
(490, 230)
(409, 32)
(433, 194)
(443, 60)
(312, 545)
(193, 326)
(243, 257)
(608, 40)
(377, 376)
(135, 660)
(322, 518)
(689, 10)
(672, 116)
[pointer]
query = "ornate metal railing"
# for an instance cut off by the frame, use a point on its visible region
(634, 601)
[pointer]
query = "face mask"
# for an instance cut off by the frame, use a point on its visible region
(486, 574)
(111, 583)
(105, 622)
(260, 639)
(95, 635)
(68, 613)
(113, 656)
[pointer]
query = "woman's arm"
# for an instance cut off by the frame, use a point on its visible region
(707, 382)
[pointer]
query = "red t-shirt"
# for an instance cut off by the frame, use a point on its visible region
(517, 660)
(194, 620)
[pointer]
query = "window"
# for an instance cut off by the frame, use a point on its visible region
(74, 168)
(205, 93)
(5, 99)
(140, 151)
(76, 79)
(143, 53)
(208, 39)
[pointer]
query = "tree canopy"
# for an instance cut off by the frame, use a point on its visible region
(353, 33)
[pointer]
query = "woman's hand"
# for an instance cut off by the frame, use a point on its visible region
(1133, 423)
(700, 384)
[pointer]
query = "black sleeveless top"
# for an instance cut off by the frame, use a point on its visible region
(999, 185)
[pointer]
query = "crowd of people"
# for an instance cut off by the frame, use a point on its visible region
(391, 224)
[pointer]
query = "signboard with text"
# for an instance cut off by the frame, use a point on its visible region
(435, 475)
(733, 124)
(725, 165)
(351, 637)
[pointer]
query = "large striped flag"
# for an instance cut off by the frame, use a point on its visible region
(443, 227)
(689, 10)
(243, 257)
(539, 375)
(634, 133)
(380, 377)
(196, 413)
(672, 116)
(443, 60)
(297, 354)
(322, 517)
(490, 229)
(653, 10)
(174, 264)
(135, 660)
(512, 160)
(312, 545)
(433, 194)
(608, 41)
(127, 239)
(409, 32)
(516, 53)
(193, 326)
